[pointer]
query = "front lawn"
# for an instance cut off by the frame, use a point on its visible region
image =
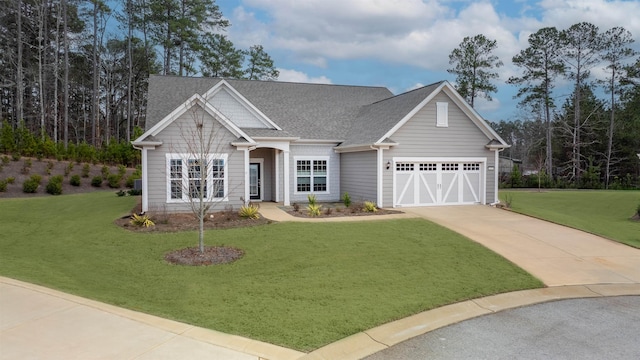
(606, 213)
(299, 285)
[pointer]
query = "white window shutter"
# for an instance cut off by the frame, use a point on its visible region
(442, 114)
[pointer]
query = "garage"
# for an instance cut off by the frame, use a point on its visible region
(441, 181)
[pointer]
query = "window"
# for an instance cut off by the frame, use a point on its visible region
(442, 114)
(404, 167)
(312, 175)
(428, 167)
(471, 167)
(185, 175)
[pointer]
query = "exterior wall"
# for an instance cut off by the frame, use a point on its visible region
(333, 180)
(358, 175)
(174, 138)
(419, 137)
(268, 170)
(234, 111)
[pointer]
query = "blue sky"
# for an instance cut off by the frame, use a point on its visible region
(404, 44)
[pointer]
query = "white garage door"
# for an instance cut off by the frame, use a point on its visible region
(427, 182)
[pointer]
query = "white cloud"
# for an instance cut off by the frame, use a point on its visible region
(300, 77)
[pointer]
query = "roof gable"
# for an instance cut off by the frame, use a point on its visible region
(458, 100)
(237, 108)
(195, 100)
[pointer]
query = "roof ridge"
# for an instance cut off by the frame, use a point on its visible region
(408, 92)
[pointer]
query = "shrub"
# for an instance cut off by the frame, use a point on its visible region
(5, 160)
(114, 181)
(37, 178)
(508, 200)
(28, 163)
(54, 187)
(86, 168)
(30, 186)
(3, 185)
(49, 165)
(249, 212)
(122, 170)
(314, 209)
(346, 199)
(370, 206)
(312, 199)
(105, 171)
(121, 193)
(96, 181)
(15, 157)
(141, 220)
(25, 170)
(296, 207)
(75, 180)
(11, 180)
(134, 192)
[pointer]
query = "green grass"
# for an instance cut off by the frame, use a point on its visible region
(300, 285)
(606, 213)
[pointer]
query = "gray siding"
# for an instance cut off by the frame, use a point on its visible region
(358, 175)
(334, 171)
(174, 139)
(419, 137)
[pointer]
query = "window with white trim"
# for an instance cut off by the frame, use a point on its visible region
(312, 175)
(442, 114)
(185, 175)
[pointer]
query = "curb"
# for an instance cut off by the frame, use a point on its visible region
(368, 342)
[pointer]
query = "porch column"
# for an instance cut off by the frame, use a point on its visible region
(277, 177)
(247, 197)
(380, 174)
(286, 178)
(495, 173)
(145, 181)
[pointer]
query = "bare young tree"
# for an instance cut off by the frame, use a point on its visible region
(200, 155)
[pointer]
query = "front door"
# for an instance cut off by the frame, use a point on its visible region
(255, 185)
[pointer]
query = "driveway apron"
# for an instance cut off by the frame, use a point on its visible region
(555, 254)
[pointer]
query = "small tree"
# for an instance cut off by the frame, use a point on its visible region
(201, 139)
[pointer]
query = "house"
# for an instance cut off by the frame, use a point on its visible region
(280, 141)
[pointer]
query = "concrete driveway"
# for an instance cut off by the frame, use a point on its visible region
(555, 254)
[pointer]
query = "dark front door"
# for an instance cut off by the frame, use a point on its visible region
(255, 185)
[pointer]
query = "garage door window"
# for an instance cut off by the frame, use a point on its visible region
(450, 167)
(404, 167)
(429, 167)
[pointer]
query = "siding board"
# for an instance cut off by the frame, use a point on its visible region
(358, 175)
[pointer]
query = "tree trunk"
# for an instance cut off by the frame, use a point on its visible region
(611, 127)
(19, 72)
(66, 73)
(94, 98)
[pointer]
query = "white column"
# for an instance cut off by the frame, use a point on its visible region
(495, 174)
(247, 197)
(145, 181)
(277, 177)
(286, 178)
(380, 170)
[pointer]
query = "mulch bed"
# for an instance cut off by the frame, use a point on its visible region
(188, 222)
(330, 210)
(213, 255)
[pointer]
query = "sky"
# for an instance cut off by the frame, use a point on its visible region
(405, 44)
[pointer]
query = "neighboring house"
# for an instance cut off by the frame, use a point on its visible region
(279, 141)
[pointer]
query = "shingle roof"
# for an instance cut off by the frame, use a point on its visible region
(308, 111)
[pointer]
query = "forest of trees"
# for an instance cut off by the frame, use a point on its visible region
(73, 75)
(74, 72)
(586, 137)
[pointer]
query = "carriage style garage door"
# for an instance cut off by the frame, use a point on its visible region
(426, 182)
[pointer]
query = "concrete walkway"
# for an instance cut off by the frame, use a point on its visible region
(37, 323)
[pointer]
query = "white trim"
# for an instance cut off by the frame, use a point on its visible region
(286, 165)
(276, 160)
(496, 180)
(145, 181)
(242, 100)
(259, 161)
(311, 158)
(247, 197)
(185, 176)
(380, 174)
